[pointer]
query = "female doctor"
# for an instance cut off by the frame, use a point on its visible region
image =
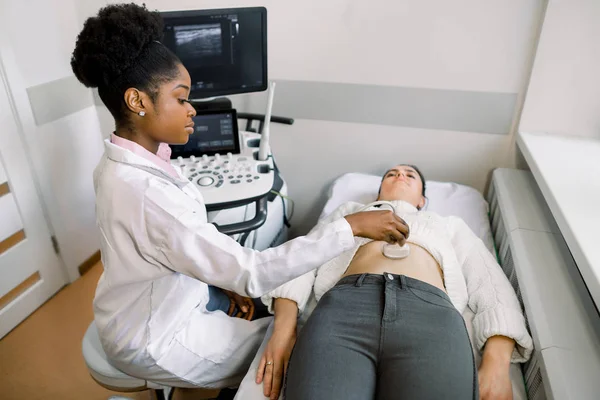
(158, 250)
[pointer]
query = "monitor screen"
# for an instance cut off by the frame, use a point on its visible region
(214, 132)
(225, 51)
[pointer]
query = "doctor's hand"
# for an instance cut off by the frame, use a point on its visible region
(239, 306)
(277, 352)
(379, 225)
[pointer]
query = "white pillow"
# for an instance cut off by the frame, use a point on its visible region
(444, 198)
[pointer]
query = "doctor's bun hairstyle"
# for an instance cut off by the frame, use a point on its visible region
(119, 49)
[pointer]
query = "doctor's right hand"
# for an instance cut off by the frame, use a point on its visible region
(379, 225)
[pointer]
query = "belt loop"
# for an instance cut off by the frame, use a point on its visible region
(402, 282)
(360, 280)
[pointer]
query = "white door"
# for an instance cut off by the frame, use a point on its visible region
(30, 270)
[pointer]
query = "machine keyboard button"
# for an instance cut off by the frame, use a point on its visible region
(205, 181)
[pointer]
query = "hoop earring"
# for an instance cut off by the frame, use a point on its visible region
(142, 113)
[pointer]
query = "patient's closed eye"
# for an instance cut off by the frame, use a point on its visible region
(412, 176)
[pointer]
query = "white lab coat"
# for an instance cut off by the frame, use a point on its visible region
(159, 253)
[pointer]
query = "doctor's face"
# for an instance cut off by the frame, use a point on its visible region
(402, 182)
(169, 117)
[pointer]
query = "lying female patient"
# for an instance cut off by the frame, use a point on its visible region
(392, 328)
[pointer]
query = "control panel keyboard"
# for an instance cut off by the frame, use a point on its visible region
(226, 178)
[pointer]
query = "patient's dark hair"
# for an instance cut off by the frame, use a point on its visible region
(119, 49)
(413, 167)
(420, 176)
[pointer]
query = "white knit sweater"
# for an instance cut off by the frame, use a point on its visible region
(472, 276)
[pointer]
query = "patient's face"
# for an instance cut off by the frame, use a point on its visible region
(402, 183)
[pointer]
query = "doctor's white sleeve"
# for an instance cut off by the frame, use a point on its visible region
(300, 289)
(185, 243)
(491, 296)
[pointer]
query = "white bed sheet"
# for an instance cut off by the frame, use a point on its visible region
(444, 198)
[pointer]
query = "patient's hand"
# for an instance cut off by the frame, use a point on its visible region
(494, 383)
(274, 361)
(278, 352)
(379, 225)
(494, 374)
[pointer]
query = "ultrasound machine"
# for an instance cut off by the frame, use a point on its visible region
(225, 52)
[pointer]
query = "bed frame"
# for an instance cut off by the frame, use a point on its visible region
(560, 313)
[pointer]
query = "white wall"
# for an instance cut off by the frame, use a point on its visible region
(64, 151)
(563, 96)
(87, 8)
(463, 45)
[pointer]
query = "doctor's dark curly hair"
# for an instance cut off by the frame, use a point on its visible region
(119, 49)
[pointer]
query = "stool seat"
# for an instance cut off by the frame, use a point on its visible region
(102, 371)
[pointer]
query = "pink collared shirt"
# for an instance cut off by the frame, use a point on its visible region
(161, 159)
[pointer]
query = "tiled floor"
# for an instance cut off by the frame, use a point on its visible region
(41, 358)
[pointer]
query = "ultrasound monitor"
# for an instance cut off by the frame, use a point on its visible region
(225, 51)
(214, 132)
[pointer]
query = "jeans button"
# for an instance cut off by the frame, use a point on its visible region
(390, 277)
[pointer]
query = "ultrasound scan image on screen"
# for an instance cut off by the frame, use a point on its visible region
(225, 51)
(199, 43)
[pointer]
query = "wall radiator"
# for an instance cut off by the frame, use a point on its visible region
(560, 313)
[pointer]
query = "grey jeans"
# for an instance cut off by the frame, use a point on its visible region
(382, 337)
